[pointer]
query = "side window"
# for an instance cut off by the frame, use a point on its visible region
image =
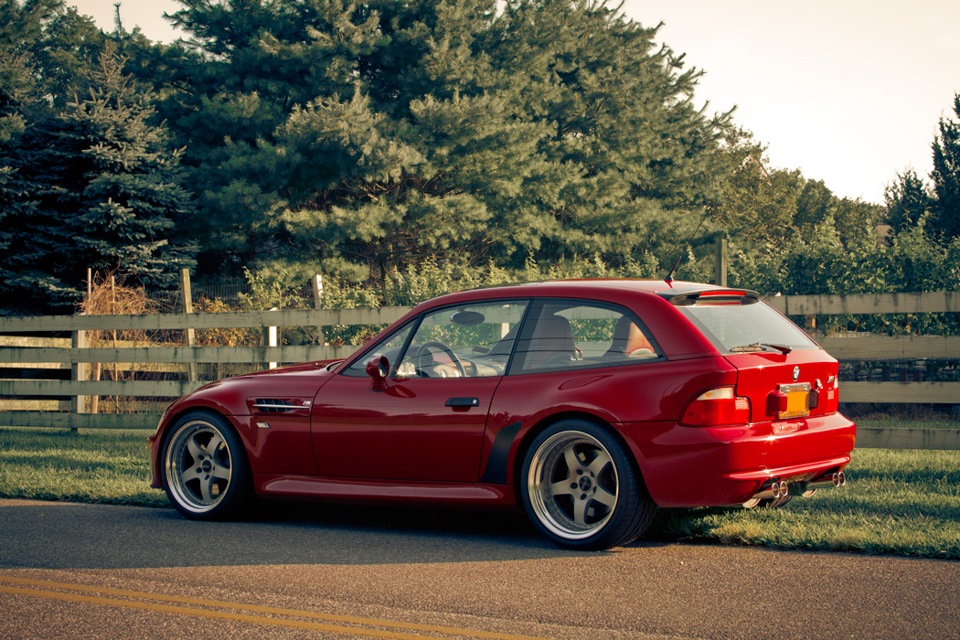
(472, 340)
(390, 347)
(573, 334)
(466, 341)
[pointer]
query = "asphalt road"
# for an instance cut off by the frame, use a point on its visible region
(90, 571)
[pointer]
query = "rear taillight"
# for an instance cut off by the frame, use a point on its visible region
(832, 392)
(716, 407)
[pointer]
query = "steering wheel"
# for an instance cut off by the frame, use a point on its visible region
(425, 349)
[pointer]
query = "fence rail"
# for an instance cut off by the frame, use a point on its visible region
(40, 399)
(868, 303)
(871, 347)
(222, 320)
(182, 355)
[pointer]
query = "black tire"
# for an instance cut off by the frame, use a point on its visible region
(204, 468)
(581, 490)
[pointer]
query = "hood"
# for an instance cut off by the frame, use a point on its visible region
(236, 396)
(316, 366)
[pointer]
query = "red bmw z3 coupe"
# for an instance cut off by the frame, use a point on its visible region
(586, 403)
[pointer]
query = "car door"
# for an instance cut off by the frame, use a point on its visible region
(426, 423)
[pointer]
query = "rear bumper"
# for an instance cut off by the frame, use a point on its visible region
(700, 467)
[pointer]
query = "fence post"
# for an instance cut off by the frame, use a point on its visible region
(93, 404)
(113, 311)
(78, 372)
(317, 291)
(188, 308)
(270, 340)
(720, 271)
(318, 303)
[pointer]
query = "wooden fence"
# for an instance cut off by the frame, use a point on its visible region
(70, 407)
(873, 347)
(50, 397)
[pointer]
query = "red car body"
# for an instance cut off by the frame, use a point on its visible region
(701, 424)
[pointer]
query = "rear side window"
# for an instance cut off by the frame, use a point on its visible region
(746, 325)
(564, 334)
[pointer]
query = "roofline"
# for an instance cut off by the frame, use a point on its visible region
(662, 288)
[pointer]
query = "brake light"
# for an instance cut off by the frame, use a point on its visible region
(833, 393)
(716, 407)
(717, 298)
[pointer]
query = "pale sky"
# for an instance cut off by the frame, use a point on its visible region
(848, 91)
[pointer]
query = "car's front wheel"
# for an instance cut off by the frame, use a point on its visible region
(205, 471)
(581, 490)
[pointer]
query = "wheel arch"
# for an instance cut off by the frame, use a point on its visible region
(527, 438)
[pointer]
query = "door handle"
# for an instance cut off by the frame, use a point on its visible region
(462, 402)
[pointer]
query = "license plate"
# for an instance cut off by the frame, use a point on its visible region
(798, 400)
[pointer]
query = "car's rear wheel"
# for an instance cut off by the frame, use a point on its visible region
(581, 490)
(205, 470)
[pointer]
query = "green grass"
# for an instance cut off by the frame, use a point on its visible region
(904, 417)
(88, 466)
(896, 502)
(901, 502)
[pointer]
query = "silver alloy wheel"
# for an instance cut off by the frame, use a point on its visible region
(573, 485)
(198, 466)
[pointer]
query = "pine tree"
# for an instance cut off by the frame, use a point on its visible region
(22, 35)
(946, 176)
(759, 203)
(104, 193)
(907, 201)
(20, 28)
(363, 137)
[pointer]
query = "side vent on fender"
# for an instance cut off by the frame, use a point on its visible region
(274, 406)
(290, 405)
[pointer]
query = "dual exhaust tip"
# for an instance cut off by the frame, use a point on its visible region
(780, 489)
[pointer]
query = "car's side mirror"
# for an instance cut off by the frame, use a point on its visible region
(378, 368)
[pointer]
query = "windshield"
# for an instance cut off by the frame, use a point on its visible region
(750, 326)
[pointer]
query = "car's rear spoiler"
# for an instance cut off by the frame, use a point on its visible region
(710, 296)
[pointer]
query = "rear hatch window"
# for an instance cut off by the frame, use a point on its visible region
(739, 322)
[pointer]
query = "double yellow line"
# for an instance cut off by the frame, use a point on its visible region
(236, 611)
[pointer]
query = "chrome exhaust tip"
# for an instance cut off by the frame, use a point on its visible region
(836, 479)
(779, 489)
(774, 489)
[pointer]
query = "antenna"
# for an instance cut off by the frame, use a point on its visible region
(676, 264)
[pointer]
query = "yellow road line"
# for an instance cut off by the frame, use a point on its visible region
(208, 613)
(42, 589)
